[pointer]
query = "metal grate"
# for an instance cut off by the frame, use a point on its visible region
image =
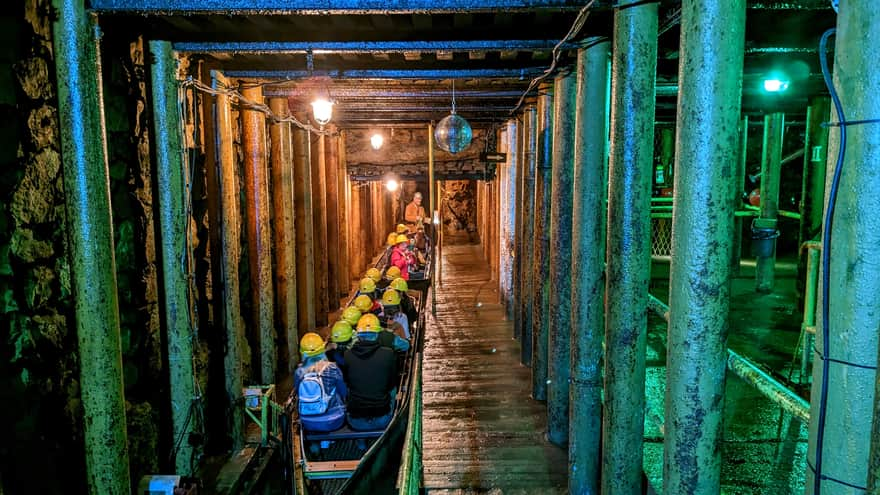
(661, 237)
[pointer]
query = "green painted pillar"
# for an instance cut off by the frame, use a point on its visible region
(171, 177)
(813, 185)
(230, 251)
(736, 196)
(90, 245)
(559, 355)
(530, 115)
(541, 273)
(771, 169)
(588, 270)
(630, 169)
(710, 75)
(854, 283)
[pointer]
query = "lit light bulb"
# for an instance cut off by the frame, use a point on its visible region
(392, 185)
(376, 141)
(775, 85)
(322, 110)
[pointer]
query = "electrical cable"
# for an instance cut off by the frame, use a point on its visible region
(826, 259)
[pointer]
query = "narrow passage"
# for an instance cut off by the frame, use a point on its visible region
(482, 431)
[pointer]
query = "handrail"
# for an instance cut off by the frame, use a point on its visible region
(410, 471)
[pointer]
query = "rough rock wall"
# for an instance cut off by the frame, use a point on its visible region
(459, 214)
(41, 451)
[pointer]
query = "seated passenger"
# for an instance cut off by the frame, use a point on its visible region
(397, 322)
(402, 257)
(406, 304)
(374, 274)
(365, 304)
(321, 391)
(402, 229)
(372, 374)
(390, 274)
(351, 314)
(341, 339)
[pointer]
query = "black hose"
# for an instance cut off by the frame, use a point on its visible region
(826, 258)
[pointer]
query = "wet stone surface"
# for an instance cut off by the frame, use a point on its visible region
(482, 431)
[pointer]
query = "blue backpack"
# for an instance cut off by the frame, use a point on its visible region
(314, 398)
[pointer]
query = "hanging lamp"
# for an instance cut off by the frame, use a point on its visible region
(453, 133)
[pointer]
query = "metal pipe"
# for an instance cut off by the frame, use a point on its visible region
(765, 266)
(736, 197)
(322, 7)
(392, 46)
(518, 74)
(813, 184)
(171, 178)
(528, 232)
(712, 39)
(633, 69)
(851, 455)
(810, 289)
(90, 244)
(588, 270)
(236, 345)
(770, 388)
(259, 235)
(559, 331)
(541, 268)
(284, 231)
(305, 231)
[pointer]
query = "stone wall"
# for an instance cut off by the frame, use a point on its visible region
(459, 213)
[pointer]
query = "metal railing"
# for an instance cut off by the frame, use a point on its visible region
(261, 407)
(410, 474)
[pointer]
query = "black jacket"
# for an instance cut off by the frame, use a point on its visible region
(371, 370)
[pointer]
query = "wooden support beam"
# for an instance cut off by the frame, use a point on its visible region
(305, 232)
(331, 165)
(319, 219)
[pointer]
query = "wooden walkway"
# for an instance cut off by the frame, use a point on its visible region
(482, 431)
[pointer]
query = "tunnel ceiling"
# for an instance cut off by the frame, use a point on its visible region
(394, 61)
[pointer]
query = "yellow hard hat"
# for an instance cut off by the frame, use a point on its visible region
(399, 284)
(401, 238)
(367, 284)
(392, 272)
(374, 274)
(391, 297)
(351, 314)
(402, 229)
(341, 331)
(369, 323)
(311, 344)
(363, 303)
(391, 238)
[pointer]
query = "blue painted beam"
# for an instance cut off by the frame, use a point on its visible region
(306, 7)
(316, 47)
(521, 74)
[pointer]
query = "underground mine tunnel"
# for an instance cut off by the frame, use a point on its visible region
(444, 247)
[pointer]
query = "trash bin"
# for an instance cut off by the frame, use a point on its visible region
(764, 234)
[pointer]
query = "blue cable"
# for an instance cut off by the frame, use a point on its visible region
(826, 257)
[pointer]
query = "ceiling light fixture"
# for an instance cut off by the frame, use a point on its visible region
(376, 141)
(392, 185)
(322, 109)
(453, 133)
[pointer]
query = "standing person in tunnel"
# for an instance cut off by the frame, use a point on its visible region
(402, 257)
(415, 214)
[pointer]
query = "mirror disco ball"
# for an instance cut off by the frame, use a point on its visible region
(453, 133)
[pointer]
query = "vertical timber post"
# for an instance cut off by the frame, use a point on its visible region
(171, 177)
(90, 241)
(771, 168)
(259, 234)
(712, 40)
(813, 185)
(332, 246)
(319, 217)
(541, 273)
(231, 255)
(849, 453)
(588, 270)
(559, 356)
(516, 269)
(343, 281)
(305, 232)
(284, 231)
(633, 69)
(508, 209)
(736, 196)
(528, 203)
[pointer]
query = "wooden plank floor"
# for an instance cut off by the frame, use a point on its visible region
(482, 431)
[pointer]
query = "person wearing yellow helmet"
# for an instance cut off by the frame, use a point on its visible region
(365, 304)
(374, 274)
(402, 257)
(372, 371)
(392, 273)
(351, 314)
(406, 304)
(401, 229)
(397, 321)
(341, 339)
(391, 239)
(320, 388)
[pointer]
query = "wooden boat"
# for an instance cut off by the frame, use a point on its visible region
(361, 462)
